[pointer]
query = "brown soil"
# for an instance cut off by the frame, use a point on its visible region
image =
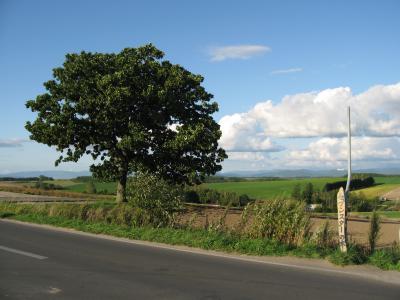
(392, 195)
(358, 229)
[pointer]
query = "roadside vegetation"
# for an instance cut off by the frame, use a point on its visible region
(154, 212)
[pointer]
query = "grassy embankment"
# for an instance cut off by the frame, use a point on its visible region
(121, 221)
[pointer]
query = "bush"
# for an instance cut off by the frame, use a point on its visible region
(325, 237)
(388, 258)
(285, 221)
(355, 254)
(90, 188)
(198, 194)
(374, 228)
(155, 197)
(191, 197)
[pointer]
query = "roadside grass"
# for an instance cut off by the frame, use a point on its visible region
(118, 220)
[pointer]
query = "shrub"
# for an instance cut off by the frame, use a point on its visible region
(198, 194)
(374, 228)
(325, 236)
(355, 254)
(90, 188)
(155, 197)
(388, 258)
(285, 221)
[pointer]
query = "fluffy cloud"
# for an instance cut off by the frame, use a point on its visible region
(335, 149)
(10, 143)
(237, 52)
(375, 113)
(239, 134)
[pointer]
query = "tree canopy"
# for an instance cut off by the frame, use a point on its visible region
(131, 111)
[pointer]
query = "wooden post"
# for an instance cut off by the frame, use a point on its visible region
(343, 196)
(342, 220)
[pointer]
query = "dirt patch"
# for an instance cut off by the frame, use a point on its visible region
(202, 217)
(19, 197)
(392, 195)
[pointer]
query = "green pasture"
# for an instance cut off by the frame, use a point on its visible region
(283, 188)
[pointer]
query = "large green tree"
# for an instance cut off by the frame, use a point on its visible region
(131, 111)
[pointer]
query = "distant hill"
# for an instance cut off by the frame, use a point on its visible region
(306, 173)
(54, 174)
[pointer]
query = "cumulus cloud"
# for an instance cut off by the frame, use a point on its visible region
(239, 134)
(286, 71)
(335, 149)
(237, 52)
(375, 113)
(11, 143)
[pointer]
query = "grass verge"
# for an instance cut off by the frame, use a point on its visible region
(388, 259)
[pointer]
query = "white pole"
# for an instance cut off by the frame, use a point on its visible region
(343, 196)
(348, 154)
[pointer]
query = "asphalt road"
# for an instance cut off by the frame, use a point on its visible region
(37, 263)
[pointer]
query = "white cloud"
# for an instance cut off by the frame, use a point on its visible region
(237, 52)
(239, 135)
(375, 113)
(11, 143)
(286, 71)
(328, 150)
(247, 156)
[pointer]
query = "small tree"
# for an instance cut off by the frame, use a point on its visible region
(131, 111)
(308, 193)
(296, 192)
(374, 229)
(90, 188)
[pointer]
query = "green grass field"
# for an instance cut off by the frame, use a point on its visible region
(80, 187)
(283, 188)
(259, 189)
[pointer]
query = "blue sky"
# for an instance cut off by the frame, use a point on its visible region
(321, 54)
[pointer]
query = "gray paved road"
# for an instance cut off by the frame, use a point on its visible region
(59, 265)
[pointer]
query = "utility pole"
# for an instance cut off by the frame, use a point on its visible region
(343, 196)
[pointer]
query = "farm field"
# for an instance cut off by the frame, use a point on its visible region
(283, 188)
(255, 188)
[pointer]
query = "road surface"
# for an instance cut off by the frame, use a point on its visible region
(40, 263)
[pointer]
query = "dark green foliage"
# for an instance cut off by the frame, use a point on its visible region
(202, 195)
(357, 183)
(308, 193)
(47, 186)
(355, 254)
(374, 229)
(41, 177)
(387, 258)
(122, 109)
(159, 199)
(191, 197)
(296, 192)
(359, 202)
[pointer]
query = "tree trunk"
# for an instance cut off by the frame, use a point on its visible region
(121, 188)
